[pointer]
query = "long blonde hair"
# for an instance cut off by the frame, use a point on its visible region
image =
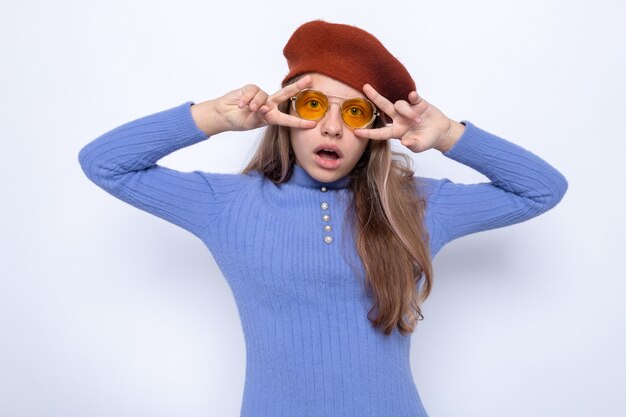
(386, 218)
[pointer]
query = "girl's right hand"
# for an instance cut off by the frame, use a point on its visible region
(248, 108)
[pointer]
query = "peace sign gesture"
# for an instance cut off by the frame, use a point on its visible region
(418, 124)
(249, 107)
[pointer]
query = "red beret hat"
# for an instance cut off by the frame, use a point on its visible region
(347, 54)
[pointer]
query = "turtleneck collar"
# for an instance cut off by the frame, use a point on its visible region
(302, 178)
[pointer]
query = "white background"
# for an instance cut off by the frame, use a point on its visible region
(108, 311)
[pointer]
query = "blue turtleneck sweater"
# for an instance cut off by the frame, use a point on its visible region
(297, 283)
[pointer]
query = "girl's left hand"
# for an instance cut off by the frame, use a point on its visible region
(418, 124)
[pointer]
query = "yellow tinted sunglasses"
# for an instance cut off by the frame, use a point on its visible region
(356, 112)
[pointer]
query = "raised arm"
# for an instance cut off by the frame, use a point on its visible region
(522, 184)
(123, 161)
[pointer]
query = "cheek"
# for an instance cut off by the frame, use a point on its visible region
(293, 138)
(361, 147)
(361, 151)
(302, 138)
(297, 142)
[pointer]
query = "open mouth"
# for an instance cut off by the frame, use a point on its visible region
(328, 154)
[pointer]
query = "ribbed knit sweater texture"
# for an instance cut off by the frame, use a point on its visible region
(310, 349)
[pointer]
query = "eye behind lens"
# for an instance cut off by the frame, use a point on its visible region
(357, 112)
(311, 104)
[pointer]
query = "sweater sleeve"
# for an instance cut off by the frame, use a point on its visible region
(521, 186)
(123, 162)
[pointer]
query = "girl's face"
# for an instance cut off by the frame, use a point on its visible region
(330, 150)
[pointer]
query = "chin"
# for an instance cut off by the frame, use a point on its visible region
(327, 176)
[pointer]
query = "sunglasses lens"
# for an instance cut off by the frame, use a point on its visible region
(357, 112)
(311, 104)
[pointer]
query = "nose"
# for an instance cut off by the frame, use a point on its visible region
(331, 123)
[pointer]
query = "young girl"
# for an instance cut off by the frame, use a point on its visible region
(326, 237)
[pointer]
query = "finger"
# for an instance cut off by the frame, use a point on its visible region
(414, 98)
(259, 99)
(382, 133)
(381, 102)
(277, 117)
(289, 91)
(247, 93)
(414, 145)
(404, 109)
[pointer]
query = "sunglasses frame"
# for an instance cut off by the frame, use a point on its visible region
(375, 113)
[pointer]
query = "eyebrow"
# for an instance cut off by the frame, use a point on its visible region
(330, 95)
